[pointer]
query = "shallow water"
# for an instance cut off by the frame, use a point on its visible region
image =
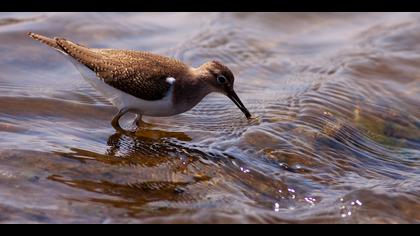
(337, 138)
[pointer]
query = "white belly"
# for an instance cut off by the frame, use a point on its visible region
(163, 107)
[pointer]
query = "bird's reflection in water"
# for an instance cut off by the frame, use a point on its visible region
(137, 168)
(143, 147)
(149, 147)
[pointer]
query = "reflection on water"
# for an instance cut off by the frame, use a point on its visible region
(337, 137)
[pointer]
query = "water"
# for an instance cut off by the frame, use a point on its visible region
(337, 139)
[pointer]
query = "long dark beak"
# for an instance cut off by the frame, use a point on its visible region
(235, 99)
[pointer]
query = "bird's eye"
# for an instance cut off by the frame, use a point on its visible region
(221, 79)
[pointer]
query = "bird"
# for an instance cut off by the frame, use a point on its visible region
(145, 83)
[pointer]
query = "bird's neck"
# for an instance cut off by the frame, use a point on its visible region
(191, 90)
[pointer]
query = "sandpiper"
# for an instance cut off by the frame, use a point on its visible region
(144, 83)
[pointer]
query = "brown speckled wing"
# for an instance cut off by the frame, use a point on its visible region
(140, 74)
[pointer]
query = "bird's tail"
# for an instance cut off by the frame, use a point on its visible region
(48, 41)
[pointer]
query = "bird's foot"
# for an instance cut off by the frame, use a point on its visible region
(116, 121)
(138, 122)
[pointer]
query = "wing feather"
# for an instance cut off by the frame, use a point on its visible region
(140, 74)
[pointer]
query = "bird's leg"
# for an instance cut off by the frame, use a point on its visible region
(115, 121)
(138, 121)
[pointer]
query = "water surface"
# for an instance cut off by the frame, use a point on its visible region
(337, 139)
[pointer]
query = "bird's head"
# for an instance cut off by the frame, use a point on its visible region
(220, 79)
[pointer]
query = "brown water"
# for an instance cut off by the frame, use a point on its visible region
(337, 139)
